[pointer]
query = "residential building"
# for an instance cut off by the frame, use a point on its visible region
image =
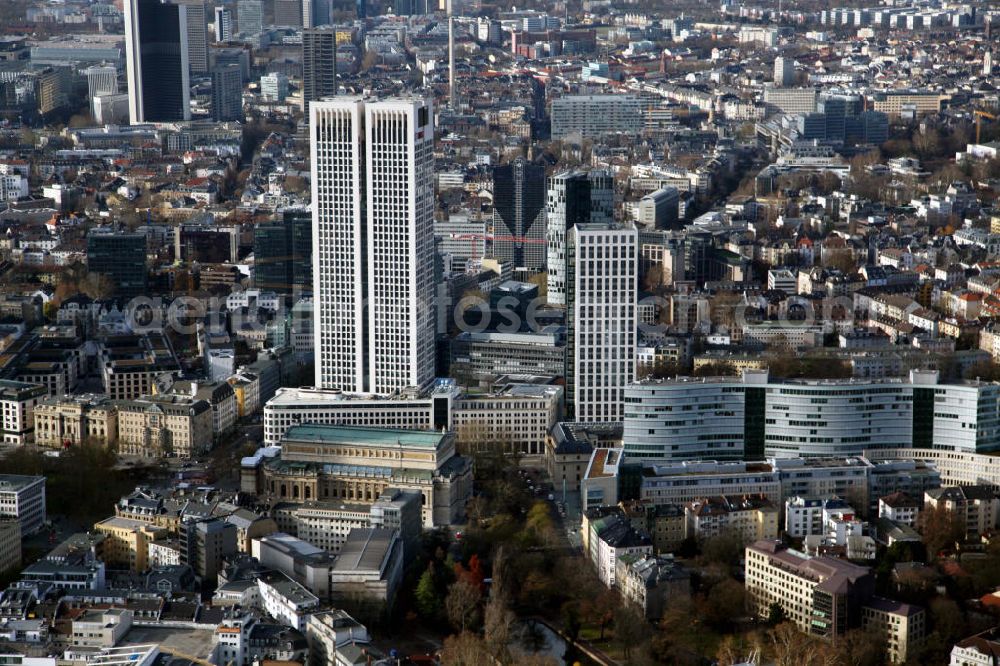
(329, 632)
(899, 508)
(981, 649)
(976, 508)
(127, 542)
(603, 283)
(612, 538)
(593, 116)
(784, 72)
(157, 61)
(652, 582)
(205, 543)
(809, 516)
(285, 600)
(395, 238)
(752, 518)
(904, 627)
(574, 197)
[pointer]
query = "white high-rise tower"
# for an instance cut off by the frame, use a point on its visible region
(604, 273)
(373, 243)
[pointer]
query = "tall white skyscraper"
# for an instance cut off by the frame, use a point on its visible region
(156, 50)
(101, 80)
(223, 24)
(784, 72)
(604, 274)
(573, 197)
(373, 205)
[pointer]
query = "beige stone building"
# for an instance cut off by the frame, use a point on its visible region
(904, 626)
(73, 420)
(355, 464)
(164, 425)
(127, 542)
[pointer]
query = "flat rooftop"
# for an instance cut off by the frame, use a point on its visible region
(17, 482)
(365, 549)
(337, 434)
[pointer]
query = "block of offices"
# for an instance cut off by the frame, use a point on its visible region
(23, 498)
(356, 464)
(327, 524)
(612, 477)
(826, 597)
(518, 413)
(752, 417)
(18, 401)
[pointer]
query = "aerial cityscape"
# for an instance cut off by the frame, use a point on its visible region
(472, 333)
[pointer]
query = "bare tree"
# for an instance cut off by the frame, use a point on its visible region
(462, 604)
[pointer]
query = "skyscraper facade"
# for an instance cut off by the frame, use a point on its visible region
(223, 24)
(319, 64)
(101, 80)
(784, 72)
(157, 61)
(250, 16)
(227, 93)
(373, 204)
(288, 13)
(519, 214)
(574, 197)
(283, 253)
(197, 35)
(315, 13)
(602, 324)
(121, 257)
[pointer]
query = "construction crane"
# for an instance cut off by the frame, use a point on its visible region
(979, 115)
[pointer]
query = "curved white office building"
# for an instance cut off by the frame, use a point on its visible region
(751, 417)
